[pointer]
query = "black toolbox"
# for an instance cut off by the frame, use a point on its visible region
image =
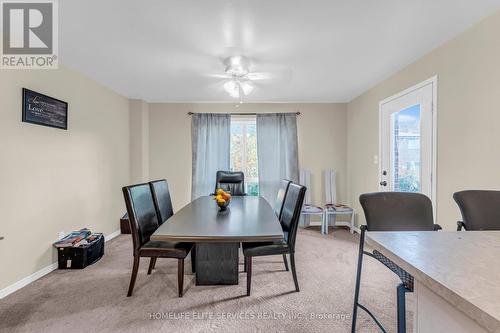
(82, 256)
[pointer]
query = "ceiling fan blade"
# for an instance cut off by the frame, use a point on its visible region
(260, 76)
(218, 76)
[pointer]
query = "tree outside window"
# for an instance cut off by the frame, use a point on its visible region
(244, 151)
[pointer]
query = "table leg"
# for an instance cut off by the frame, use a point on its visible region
(216, 263)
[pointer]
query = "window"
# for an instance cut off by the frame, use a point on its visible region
(244, 151)
(406, 154)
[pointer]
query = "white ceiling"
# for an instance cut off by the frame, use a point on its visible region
(323, 50)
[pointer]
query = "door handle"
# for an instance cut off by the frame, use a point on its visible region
(383, 183)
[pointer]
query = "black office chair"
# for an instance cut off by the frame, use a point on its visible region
(280, 198)
(392, 211)
(231, 181)
(143, 223)
(289, 222)
(480, 209)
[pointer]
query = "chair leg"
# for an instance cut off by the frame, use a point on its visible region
(193, 259)
(244, 264)
(135, 268)
(351, 228)
(401, 291)
(294, 273)
(358, 281)
(180, 276)
(249, 273)
(285, 261)
(152, 263)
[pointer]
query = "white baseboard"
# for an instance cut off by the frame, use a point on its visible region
(27, 280)
(38, 274)
(112, 235)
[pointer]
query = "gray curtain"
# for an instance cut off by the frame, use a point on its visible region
(210, 138)
(277, 151)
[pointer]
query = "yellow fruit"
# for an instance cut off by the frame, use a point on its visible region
(221, 201)
(220, 191)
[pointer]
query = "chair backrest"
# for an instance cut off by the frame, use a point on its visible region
(142, 213)
(305, 180)
(480, 209)
(397, 211)
(290, 214)
(280, 198)
(231, 181)
(330, 187)
(162, 200)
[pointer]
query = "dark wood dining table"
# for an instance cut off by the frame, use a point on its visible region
(217, 234)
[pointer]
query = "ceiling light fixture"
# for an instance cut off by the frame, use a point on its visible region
(237, 65)
(238, 88)
(237, 69)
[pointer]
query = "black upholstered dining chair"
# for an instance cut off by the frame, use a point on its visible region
(289, 220)
(280, 198)
(164, 210)
(392, 211)
(143, 222)
(231, 181)
(278, 208)
(162, 200)
(480, 209)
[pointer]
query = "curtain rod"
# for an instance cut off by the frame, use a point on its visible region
(241, 114)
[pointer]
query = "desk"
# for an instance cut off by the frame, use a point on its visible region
(456, 275)
(217, 234)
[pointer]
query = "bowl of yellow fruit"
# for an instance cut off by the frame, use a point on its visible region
(222, 198)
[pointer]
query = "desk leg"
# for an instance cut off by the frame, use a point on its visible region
(216, 263)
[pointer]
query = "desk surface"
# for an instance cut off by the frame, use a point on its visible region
(461, 267)
(246, 219)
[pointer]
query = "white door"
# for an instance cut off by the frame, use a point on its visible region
(407, 140)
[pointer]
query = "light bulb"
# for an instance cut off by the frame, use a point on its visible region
(247, 87)
(232, 88)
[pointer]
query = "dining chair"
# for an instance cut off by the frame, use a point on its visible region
(164, 210)
(289, 222)
(392, 211)
(308, 208)
(280, 198)
(480, 209)
(278, 208)
(143, 222)
(231, 181)
(162, 200)
(332, 208)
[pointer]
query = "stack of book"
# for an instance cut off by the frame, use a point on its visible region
(76, 238)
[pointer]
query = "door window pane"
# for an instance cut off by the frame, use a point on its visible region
(406, 150)
(244, 152)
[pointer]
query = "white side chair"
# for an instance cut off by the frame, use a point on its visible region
(332, 209)
(308, 209)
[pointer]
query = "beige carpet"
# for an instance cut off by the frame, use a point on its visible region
(94, 299)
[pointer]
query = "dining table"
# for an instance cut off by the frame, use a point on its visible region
(218, 234)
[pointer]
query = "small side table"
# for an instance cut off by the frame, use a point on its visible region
(333, 213)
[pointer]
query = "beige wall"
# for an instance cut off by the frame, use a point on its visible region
(139, 141)
(468, 147)
(321, 137)
(55, 180)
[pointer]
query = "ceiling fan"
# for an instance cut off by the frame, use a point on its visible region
(239, 78)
